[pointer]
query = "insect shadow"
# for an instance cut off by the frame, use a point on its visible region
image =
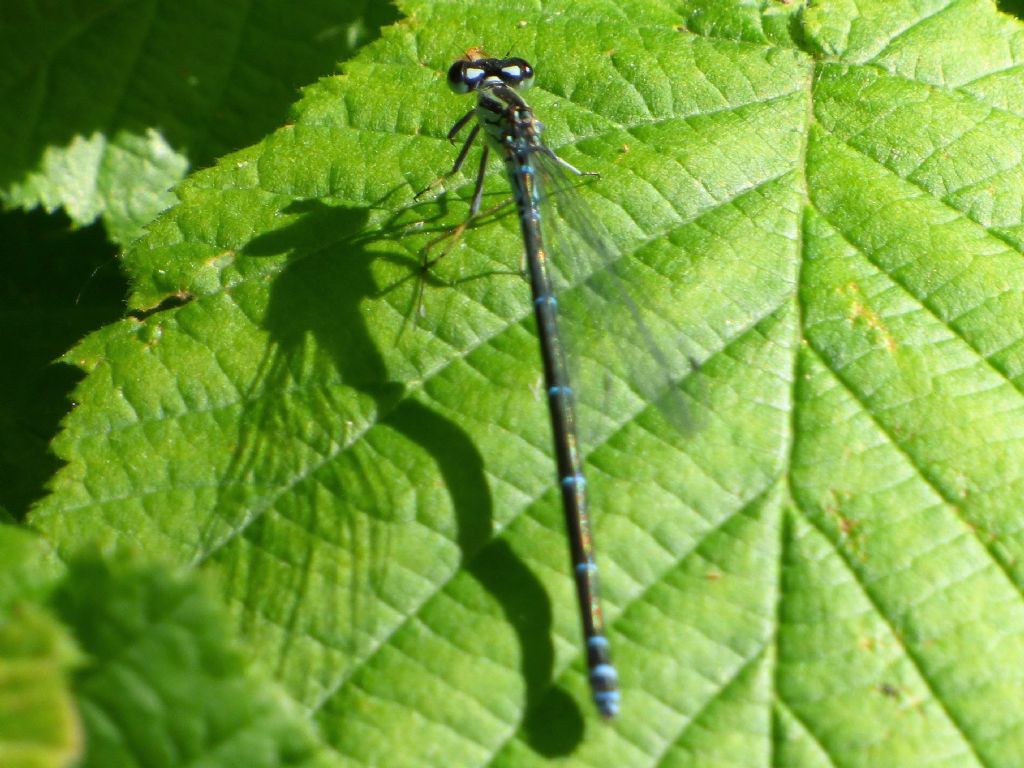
(315, 322)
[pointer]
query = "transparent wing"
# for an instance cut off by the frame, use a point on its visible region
(623, 353)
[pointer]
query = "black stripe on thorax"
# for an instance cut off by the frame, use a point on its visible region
(505, 104)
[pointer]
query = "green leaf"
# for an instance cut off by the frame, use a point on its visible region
(157, 677)
(824, 201)
(163, 685)
(39, 726)
(106, 104)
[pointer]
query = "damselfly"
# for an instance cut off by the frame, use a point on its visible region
(510, 129)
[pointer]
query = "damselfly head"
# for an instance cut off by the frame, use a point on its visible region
(466, 75)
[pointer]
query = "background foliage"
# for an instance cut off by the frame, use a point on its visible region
(289, 527)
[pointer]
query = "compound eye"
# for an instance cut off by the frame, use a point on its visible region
(517, 72)
(465, 76)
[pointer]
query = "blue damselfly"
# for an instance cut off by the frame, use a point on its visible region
(533, 170)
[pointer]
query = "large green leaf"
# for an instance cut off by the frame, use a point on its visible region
(106, 104)
(824, 201)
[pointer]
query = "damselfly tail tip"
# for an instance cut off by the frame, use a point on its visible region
(604, 683)
(607, 704)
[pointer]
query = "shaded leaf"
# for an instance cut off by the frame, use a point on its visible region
(108, 103)
(56, 286)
